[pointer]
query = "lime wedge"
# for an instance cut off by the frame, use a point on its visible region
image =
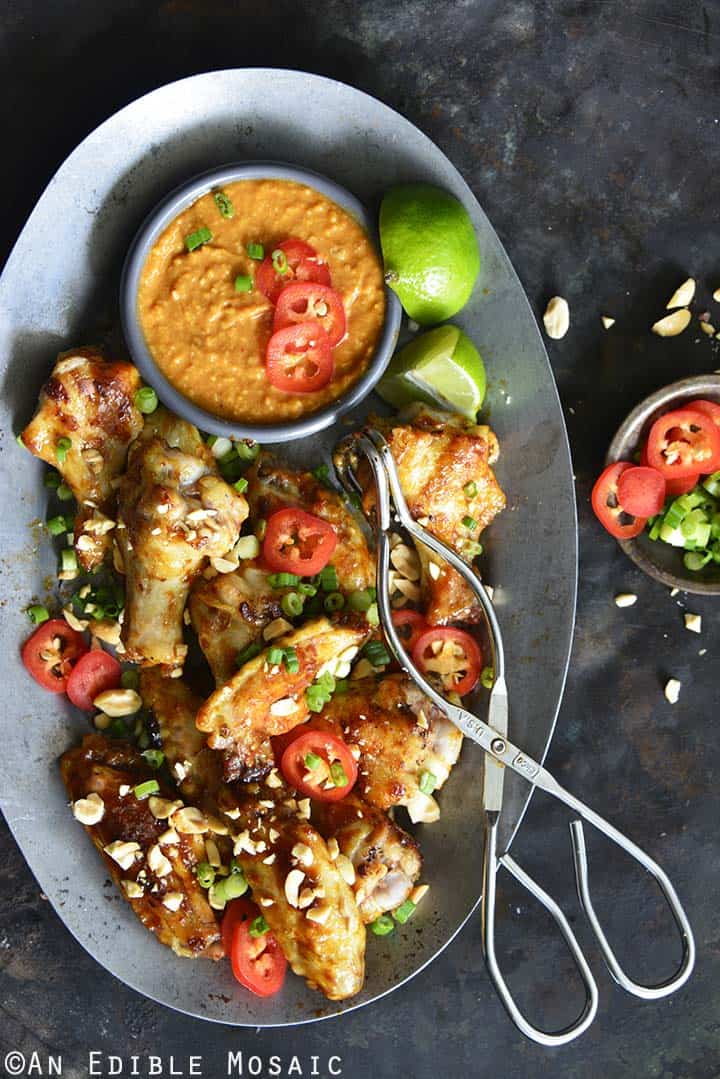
(441, 367)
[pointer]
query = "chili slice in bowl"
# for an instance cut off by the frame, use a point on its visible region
(292, 260)
(308, 301)
(607, 508)
(641, 491)
(683, 443)
(299, 358)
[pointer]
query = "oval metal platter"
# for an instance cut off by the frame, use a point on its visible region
(59, 288)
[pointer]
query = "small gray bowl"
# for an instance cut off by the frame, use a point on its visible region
(148, 233)
(659, 560)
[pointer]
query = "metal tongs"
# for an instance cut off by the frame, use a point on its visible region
(391, 511)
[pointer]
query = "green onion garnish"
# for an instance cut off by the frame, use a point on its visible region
(428, 782)
(312, 761)
(235, 866)
(249, 652)
(712, 484)
(57, 525)
(144, 790)
(470, 523)
(275, 656)
(62, 448)
(68, 560)
(334, 601)
(146, 400)
(471, 549)
(291, 661)
(327, 579)
(306, 589)
(52, 479)
(258, 927)
(154, 757)
(360, 600)
(243, 283)
(241, 485)
(404, 911)
(292, 604)
(487, 677)
(373, 615)
(64, 493)
(19, 440)
(283, 580)
(322, 473)
(247, 451)
(470, 490)
(198, 238)
(256, 251)
(376, 653)
(38, 614)
(341, 685)
(319, 693)
(205, 874)
(382, 926)
(224, 204)
(696, 560)
(338, 774)
(130, 679)
(279, 261)
(231, 887)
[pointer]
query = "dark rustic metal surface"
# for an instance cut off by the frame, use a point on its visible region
(589, 132)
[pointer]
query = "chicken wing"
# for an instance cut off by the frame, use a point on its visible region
(89, 401)
(386, 860)
(444, 464)
(271, 487)
(260, 700)
(174, 513)
(229, 612)
(153, 865)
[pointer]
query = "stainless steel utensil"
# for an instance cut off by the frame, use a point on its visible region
(391, 512)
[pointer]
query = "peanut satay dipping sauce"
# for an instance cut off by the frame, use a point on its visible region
(209, 340)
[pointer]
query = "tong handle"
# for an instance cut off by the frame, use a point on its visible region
(490, 863)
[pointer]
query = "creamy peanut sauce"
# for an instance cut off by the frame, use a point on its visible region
(209, 340)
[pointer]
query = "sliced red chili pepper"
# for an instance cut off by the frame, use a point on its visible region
(297, 260)
(313, 763)
(607, 506)
(453, 654)
(93, 673)
(684, 442)
(51, 652)
(709, 408)
(299, 358)
(257, 961)
(641, 491)
(298, 542)
(673, 488)
(307, 301)
(410, 626)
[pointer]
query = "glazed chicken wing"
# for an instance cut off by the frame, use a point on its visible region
(229, 612)
(271, 487)
(262, 700)
(151, 863)
(89, 401)
(174, 513)
(444, 464)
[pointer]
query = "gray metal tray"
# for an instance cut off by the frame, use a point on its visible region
(59, 288)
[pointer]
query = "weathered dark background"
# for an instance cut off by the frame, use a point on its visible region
(590, 133)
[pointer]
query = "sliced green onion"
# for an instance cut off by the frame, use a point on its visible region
(360, 600)
(292, 604)
(470, 523)
(256, 251)
(470, 490)
(404, 911)
(64, 493)
(130, 679)
(317, 697)
(312, 761)
(341, 685)
(19, 440)
(279, 261)
(471, 549)
(146, 400)
(275, 656)
(376, 653)
(235, 866)
(197, 239)
(52, 479)
(373, 615)
(696, 560)
(712, 484)
(258, 927)
(154, 757)
(205, 874)
(382, 926)
(249, 652)
(307, 589)
(224, 204)
(144, 790)
(241, 486)
(428, 782)
(655, 528)
(62, 448)
(247, 547)
(327, 579)
(261, 529)
(38, 614)
(487, 677)
(334, 601)
(211, 440)
(338, 774)
(231, 887)
(322, 474)
(283, 580)
(247, 451)
(68, 560)
(243, 283)
(57, 525)
(291, 661)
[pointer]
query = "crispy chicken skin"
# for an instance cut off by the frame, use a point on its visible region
(386, 859)
(89, 400)
(265, 828)
(400, 735)
(241, 716)
(229, 612)
(174, 512)
(271, 487)
(104, 768)
(437, 455)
